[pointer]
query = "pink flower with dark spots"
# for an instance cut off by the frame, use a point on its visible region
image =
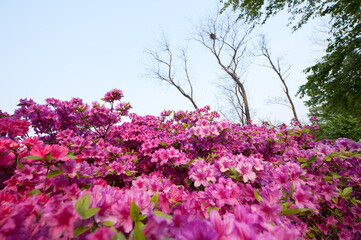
(201, 173)
(62, 222)
(122, 211)
(39, 151)
(303, 197)
(113, 95)
(331, 220)
(163, 156)
(102, 233)
(156, 228)
(224, 226)
(198, 230)
(59, 153)
(269, 211)
(173, 153)
(246, 169)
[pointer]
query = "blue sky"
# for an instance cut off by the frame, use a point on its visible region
(66, 49)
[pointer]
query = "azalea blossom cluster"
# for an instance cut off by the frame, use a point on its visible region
(85, 174)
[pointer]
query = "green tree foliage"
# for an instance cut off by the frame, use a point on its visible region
(334, 83)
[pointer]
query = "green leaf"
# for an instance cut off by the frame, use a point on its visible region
(129, 173)
(212, 208)
(107, 223)
(257, 195)
(312, 159)
(334, 199)
(189, 182)
(34, 192)
(54, 173)
(87, 186)
(71, 155)
(234, 171)
(79, 230)
(291, 211)
(82, 204)
(302, 159)
(163, 144)
(347, 190)
(292, 189)
(355, 201)
(303, 165)
(138, 233)
(343, 151)
(134, 211)
(162, 214)
(19, 163)
(294, 211)
(155, 200)
(117, 235)
(335, 175)
(33, 157)
(88, 213)
(283, 192)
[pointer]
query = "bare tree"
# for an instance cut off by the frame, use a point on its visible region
(231, 105)
(163, 68)
(282, 75)
(223, 37)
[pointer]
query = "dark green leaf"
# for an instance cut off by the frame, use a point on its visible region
(79, 230)
(54, 173)
(312, 159)
(294, 211)
(347, 190)
(33, 157)
(163, 144)
(34, 192)
(211, 208)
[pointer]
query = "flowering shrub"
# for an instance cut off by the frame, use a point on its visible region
(182, 175)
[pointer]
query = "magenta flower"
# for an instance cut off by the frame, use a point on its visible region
(62, 222)
(303, 197)
(269, 211)
(224, 226)
(156, 228)
(102, 233)
(198, 230)
(246, 169)
(40, 151)
(201, 173)
(113, 95)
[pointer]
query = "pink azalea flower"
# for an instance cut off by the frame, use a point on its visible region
(59, 153)
(246, 169)
(62, 222)
(223, 227)
(269, 211)
(102, 233)
(40, 151)
(156, 228)
(303, 197)
(198, 230)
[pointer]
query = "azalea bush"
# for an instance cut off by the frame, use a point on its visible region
(85, 174)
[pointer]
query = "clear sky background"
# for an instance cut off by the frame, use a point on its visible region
(66, 49)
